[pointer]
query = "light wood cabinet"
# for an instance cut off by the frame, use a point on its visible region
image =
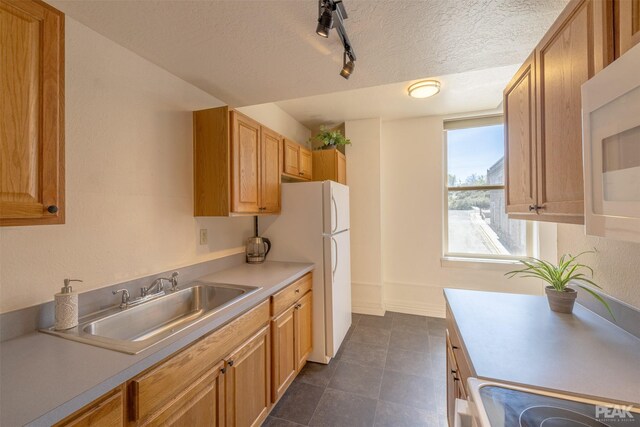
(32, 99)
(303, 329)
(200, 404)
(330, 165)
(248, 379)
(156, 391)
(627, 18)
(296, 160)
(106, 411)
(520, 140)
(291, 329)
(571, 52)
(236, 165)
(284, 354)
(458, 369)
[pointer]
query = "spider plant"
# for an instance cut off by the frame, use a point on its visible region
(559, 276)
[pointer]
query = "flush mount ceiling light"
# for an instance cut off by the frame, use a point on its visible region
(331, 14)
(424, 89)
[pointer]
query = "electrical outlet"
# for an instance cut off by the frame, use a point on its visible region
(204, 236)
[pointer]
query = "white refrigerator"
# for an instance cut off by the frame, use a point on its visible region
(313, 226)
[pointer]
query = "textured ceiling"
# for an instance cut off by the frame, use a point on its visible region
(462, 92)
(250, 52)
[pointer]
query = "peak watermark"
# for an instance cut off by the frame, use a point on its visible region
(617, 413)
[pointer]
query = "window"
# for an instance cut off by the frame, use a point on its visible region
(476, 224)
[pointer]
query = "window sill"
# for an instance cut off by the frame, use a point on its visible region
(479, 263)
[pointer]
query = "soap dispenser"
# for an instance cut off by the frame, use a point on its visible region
(66, 307)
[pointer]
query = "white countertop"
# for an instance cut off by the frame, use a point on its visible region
(45, 378)
(516, 339)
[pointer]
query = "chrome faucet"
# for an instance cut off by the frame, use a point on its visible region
(157, 286)
(125, 297)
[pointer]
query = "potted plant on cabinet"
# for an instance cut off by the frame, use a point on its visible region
(560, 296)
(331, 139)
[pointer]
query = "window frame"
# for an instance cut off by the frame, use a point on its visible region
(531, 230)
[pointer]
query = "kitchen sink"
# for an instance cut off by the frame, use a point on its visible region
(134, 329)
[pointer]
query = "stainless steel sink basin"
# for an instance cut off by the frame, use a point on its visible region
(134, 329)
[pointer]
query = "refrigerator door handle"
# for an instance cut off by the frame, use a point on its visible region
(335, 211)
(333, 271)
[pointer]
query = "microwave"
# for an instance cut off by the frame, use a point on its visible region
(611, 149)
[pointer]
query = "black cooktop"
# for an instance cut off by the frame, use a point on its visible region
(513, 408)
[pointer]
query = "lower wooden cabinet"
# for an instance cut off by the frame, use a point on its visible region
(284, 357)
(303, 331)
(222, 380)
(292, 343)
(107, 411)
(201, 404)
(248, 380)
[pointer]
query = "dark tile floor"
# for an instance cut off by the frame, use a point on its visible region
(390, 371)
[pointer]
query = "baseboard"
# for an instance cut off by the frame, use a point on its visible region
(372, 309)
(413, 307)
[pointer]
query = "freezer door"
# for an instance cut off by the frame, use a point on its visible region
(337, 280)
(336, 207)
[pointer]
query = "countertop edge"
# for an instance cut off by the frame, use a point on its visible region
(171, 346)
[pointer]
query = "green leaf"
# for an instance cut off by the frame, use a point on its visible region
(599, 298)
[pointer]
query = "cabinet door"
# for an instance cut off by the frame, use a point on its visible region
(627, 24)
(248, 396)
(304, 330)
(520, 142)
(270, 166)
(32, 114)
(107, 411)
(452, 387)
(341, 168)
(245, 164)
(201, 404)
(305, 163)
(565, 59)
(291, 164)
(284, 353)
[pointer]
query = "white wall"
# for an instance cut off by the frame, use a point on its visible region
(364, 172)
(616, 264)
(410, 225)
(278, 120)
(129, 180)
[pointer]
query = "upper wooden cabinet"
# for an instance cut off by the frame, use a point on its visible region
(544, 182)
(296, 160)
(32, 110)
(627, 18)
(236, 164)
(330, 165)
(520, 137)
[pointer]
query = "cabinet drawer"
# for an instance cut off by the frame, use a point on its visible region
(106, 411)
(286, 297)
(156, 387)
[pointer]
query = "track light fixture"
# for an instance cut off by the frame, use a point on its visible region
(331, 14)
(347, 67)
(325, 23)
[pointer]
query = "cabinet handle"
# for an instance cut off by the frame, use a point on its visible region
(535, 208)
(297, 291)
(453, 371)
(456, 379)
(454, 347)
(223, 370)
(230, 363)
(52, 209)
